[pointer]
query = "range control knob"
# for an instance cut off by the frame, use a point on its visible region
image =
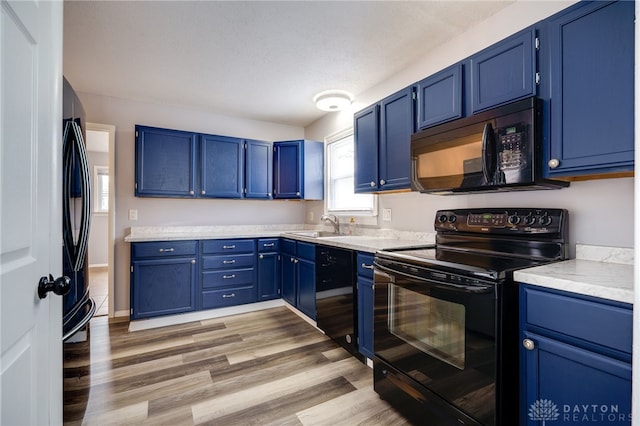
(514, 219)
(529, 220)
(453, 218)
(545, 220)
(442, 218)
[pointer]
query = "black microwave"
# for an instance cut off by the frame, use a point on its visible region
(496, 150)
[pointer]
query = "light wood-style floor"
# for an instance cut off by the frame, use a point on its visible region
(262, 368)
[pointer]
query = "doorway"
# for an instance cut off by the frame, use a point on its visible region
(101, 153)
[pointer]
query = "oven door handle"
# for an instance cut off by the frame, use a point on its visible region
(475, 289)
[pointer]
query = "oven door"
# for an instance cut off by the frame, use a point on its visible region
(439, 329)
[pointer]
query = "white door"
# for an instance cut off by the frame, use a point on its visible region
(30, 211)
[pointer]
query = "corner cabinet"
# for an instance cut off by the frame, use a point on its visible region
(575, 358)
(504, 72)
(163, 278)
(299, 275)
(591, 105)
(382, 142)
(298, 170)
(365, 304)
(165, 162)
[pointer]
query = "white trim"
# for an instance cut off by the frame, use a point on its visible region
(119, 314)
(145, 324)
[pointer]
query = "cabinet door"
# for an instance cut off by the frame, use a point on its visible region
(396, 126)
(592, 89)
(268, 276)
(258, 169)
(222, 174)
(307, 287)
(582, 386)
(286, 173)
(163, 287)
(365, 316)
(289, 278)
(440, 97)
(366, 132)
(165, 162)
(503, 72)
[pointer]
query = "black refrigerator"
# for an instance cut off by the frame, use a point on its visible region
(76, 215)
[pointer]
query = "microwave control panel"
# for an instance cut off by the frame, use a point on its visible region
(512, 147)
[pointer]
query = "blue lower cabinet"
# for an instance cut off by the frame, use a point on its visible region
(299, 276)
(575, 359)
(269, 275)
(162, 283)
(365, 304)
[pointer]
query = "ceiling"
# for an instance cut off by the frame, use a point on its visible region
(261, 60)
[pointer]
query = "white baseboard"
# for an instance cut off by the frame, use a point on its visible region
(121, 314)
(145, 324)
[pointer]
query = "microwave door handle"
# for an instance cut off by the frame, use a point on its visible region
(488, 154)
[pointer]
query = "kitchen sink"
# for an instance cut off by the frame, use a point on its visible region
(314, 234)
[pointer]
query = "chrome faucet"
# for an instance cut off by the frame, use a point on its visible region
(333, 220)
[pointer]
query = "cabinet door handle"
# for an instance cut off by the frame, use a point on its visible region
(203, 192)
(553, 163)
(166, 250)
(261, 256)
(365, 266)
(193, 261)
(268, 244)
(298, 194)
(529, 344)
(228, 262)
(229, 277)
(225, 296)
(231, 247)
(382, 181)
(372, 184)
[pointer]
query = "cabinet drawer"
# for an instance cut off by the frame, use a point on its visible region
(227, 246)
(268, 244)
(595, 322)
(228, 297)
(365, 265)
(307, 251)
(228, 278)
(164, 249)
(232, 261)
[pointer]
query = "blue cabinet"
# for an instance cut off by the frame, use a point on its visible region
(165, 162)
(298, 170)
(163, 278)
(269, 275)
(298, 275)
(591, 65)
(504, 72)
(439, 97)
(258, 170)
(575, 357)
(228, 275)
(222, 167)
(365, 304)
(382, 139)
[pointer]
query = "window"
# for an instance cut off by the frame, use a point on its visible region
(101, 189)
(340, 199)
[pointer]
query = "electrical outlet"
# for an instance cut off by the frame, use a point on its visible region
(310, 216)
(386, 214)
(133, 214)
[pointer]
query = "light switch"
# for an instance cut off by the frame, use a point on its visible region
(133, 214)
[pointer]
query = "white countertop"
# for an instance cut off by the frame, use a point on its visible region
(604, 272)
(374, 240)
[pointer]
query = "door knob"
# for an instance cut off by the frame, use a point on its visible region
(59, 286)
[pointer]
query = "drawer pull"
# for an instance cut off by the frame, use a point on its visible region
(528, 344)
(231, 247)
(226, 296)
(269, 244)
(166, 250)
(365, 266)
(228, 262)
(229, 277)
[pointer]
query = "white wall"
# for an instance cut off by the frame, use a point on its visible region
(125, 114)
(591, 204)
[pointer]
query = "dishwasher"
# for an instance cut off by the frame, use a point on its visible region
(336, 296)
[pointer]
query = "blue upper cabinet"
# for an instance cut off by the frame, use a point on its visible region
(504, 72)
(591, 50)
(258, 169)
(383, 144)
(222, 167)
(440, 97)
(298, 170)
(366, 131)
(165, 162)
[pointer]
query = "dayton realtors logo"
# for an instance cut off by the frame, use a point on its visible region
(546, 410)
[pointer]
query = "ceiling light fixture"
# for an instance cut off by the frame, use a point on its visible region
(333, 100)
